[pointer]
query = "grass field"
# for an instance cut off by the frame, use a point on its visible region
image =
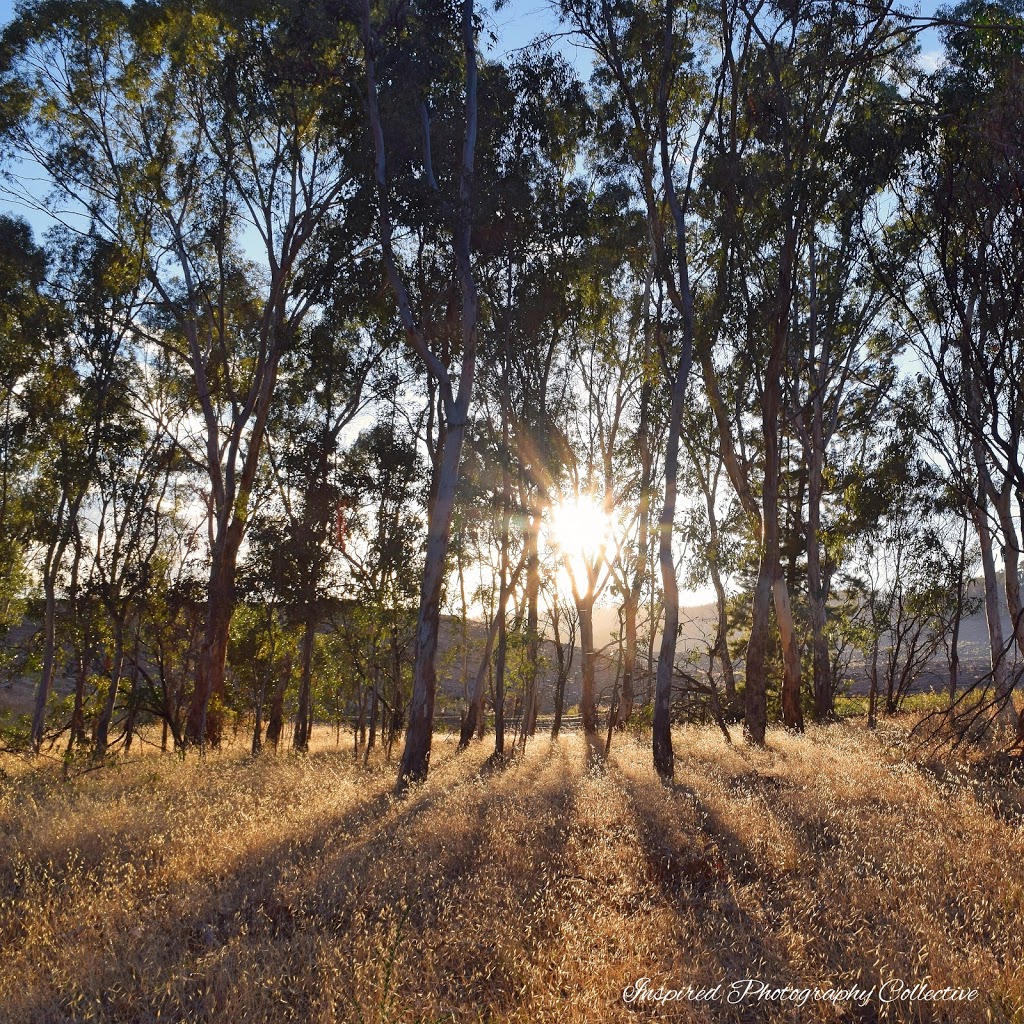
(298, 889)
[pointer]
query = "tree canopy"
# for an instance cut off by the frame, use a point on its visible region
(354, 363)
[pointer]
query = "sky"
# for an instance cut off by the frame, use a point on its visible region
(517, 22)
(520, 20)
(515, 25)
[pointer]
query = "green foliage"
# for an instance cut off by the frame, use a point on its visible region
(207, 399)
(262, 650)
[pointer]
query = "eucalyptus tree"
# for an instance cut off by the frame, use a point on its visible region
(415, 70)
(958, 450)
(127, 523)
(656, 80)
(506, 579)
(151, 494)
(965, 227)
(630, 458)
(383, 489)
(903, 575)
(547, 238)
(592, 518)
(78, 400)
(634, 563)
(214, 144)
(480, 524)
(115, 469)
(490, 480)
(537, 237)
(323, 390)
(844, 345)
(711, 530)
(784, 167)
(23, 311)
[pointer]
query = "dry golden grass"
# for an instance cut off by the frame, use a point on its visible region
(297, 889)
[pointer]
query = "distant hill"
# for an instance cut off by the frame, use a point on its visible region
(698, 625)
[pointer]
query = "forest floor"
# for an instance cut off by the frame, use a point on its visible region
(293, 888)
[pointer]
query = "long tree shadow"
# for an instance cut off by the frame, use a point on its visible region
(695, 871)
(357, 883)
(726, 897)
(861, 867)
(450, 900)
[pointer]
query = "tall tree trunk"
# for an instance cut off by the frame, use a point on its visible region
(996, 640)
(506, 516)
(416, 756)
(954, 643)
(275, 720)
(664, 758)
(1011, 583)
(814, 445)
(49, 659)
(499, 688)
(822, 670)
(756, 710)
(1001, 675)
(531, 544)
(682, 298)
(755, 696)
(588, 697)
(303, 716)
(203, 725)
(771, 402)
(631, 603)
(83, 641)
(107, 711)
(755, 687)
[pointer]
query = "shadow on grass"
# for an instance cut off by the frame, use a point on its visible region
(419, 898)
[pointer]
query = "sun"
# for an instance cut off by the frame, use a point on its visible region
(580, 531)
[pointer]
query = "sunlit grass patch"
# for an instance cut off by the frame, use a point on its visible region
(297, 888)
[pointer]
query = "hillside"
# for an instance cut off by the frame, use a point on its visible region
(698, 625)
(297, 889)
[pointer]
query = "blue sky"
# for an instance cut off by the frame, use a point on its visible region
(515, 25)
(520, 20)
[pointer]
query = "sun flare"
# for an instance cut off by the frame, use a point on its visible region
(580, 529)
